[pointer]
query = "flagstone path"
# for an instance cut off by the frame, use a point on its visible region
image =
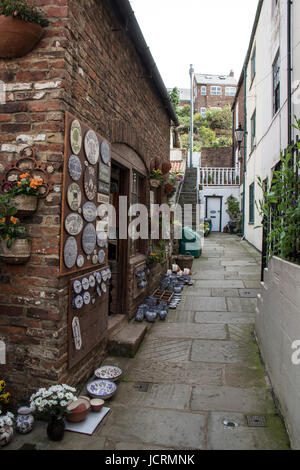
(202, 368)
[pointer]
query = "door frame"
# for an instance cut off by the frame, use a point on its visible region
(221, 204)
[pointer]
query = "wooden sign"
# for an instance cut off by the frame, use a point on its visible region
(103, 188)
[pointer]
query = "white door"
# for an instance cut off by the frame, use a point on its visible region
(214, 212)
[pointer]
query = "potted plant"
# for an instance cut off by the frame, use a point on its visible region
(233, 210)
(156, 178)
(169, 189)
(52, 403)
(209, 179)
(14, 245)
(24, 192)
(158, 255)
(21, 27)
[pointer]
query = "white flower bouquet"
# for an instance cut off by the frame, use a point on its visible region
(53, 401)
(6, 420)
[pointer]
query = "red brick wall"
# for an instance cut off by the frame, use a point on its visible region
(212, 101)
(83, 66)
(216, 157)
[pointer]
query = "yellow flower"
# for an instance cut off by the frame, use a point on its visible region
(3, 222)
(25, 175)
(14, 220)
(2, 385)
(5, 397)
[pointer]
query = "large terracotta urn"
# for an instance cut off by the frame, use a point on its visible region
(17, 37)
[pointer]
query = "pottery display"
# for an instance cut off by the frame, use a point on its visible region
(24, 420)
(6, 435)
(104, 389)
(78, 410)
(97, 404)
(17, 37)
(151, 315)
(108, 373)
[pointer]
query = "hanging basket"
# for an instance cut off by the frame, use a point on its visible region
(166, 167)
(25, 205)
(154, 183)
(17, 37)
(18, 253)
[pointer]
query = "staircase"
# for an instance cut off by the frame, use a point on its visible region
(189, 194)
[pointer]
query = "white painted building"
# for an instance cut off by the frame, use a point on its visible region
(266, 82)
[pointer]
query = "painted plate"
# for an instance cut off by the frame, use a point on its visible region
(90, 183)
(108, 373)
(89, 239)
(89, 211)
(92, 280)
(105, 152)
(74, 196)
(75, 167)
(78, 302)
(73, 224)
(85, 283)
(103, 287)
(86, 298)
(101, 388)
(101, 256)
(101, 239)
(98, 290)
(77, 287)
(95, 259)
(91, 147)
(80, 261)
(76, 137)
(98, 277)
(77, 333)
(70, 252)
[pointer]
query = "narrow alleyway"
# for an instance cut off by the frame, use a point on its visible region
(202, 367)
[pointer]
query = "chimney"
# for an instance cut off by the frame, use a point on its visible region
(231, 73)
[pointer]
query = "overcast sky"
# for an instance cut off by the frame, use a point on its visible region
(213, 35)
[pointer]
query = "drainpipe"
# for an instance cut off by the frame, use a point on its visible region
(245, 148)
(289, 70)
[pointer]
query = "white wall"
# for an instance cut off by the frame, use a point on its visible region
(277, 327)
(224, 191)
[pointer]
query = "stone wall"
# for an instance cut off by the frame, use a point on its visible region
(278, 330)
(85, 64)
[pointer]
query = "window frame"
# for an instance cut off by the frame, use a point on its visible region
(218, 88)
(276, 83)
(203, 90)
(231, 90)
(253, 130)
(253, 64)
(252, 203)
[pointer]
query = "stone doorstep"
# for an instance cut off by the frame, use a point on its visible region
(126, 341)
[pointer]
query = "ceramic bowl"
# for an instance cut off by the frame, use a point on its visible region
(108, 373)
(97, 404)
(103, 389)
(78, 410)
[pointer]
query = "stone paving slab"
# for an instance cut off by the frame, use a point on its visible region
(199, 292)
(189, 373)
(249, 293)
(205, 304)
(221, 352)
(231, 284)
(180, 316)
(205, 274)
(239, 375)
(250, 401)
(252, 284)
(159, 427)
(219, 292)
(245, 263)
(168, 396)
(224, 317)
(242, 437)
(137, 446)
(241, 305)
(192, 331)
(171, 350)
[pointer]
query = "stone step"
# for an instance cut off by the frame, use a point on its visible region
(126, 342)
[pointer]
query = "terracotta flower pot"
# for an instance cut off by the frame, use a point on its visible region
(17, 37)
(166, 167)
(18, 253)
(26, 205)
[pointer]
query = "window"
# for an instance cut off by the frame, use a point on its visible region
(138, 197)
(253, 64)
(216, 90)
(253, 130)
(203, 90)
(276, 84)
(230, 91)
(203, 112)
(251, 204)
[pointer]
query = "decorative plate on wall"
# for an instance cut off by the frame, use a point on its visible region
(104, 173)
(75, 167)
(89, 211)
(89, 239)
(101, 256)
(85, 283)
(77, 287)
(92, 280)
(74, 196)
(76, 137)
(105, 152)
(70, 252)
(78, 302)
(101, 239)
(73, 224)
(86, 298)
(91, 147)
(90, 183)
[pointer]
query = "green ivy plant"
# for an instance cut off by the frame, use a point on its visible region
(22, 10)
(280, 208)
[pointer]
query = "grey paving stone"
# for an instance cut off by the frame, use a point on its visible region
(219, 292)
(193, 331)
(180, 316)
(241, 261)
(169, 396)
(241, 305)
(252, 269)
(228, 284)
(198, 291)
(243, 437)
(239, 375)
(247, 401)
(221, 352)
(159, 427)
(224, 317)
(205, 274)
(252, 284)
(137, 446)
(165, 350)
(249, 293)
(189, 373)
(206, 304)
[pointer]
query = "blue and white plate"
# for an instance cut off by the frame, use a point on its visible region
(101, 389)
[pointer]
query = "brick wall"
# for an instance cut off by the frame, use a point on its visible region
(212, 101)
(216, 157)
(85, 64)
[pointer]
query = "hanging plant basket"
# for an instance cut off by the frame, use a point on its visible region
(154, 183)
(18, 253)
(25, 205)
(166, 167)
(17, 37)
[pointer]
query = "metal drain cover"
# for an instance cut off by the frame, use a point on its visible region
(142, 386)
(256, 421)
